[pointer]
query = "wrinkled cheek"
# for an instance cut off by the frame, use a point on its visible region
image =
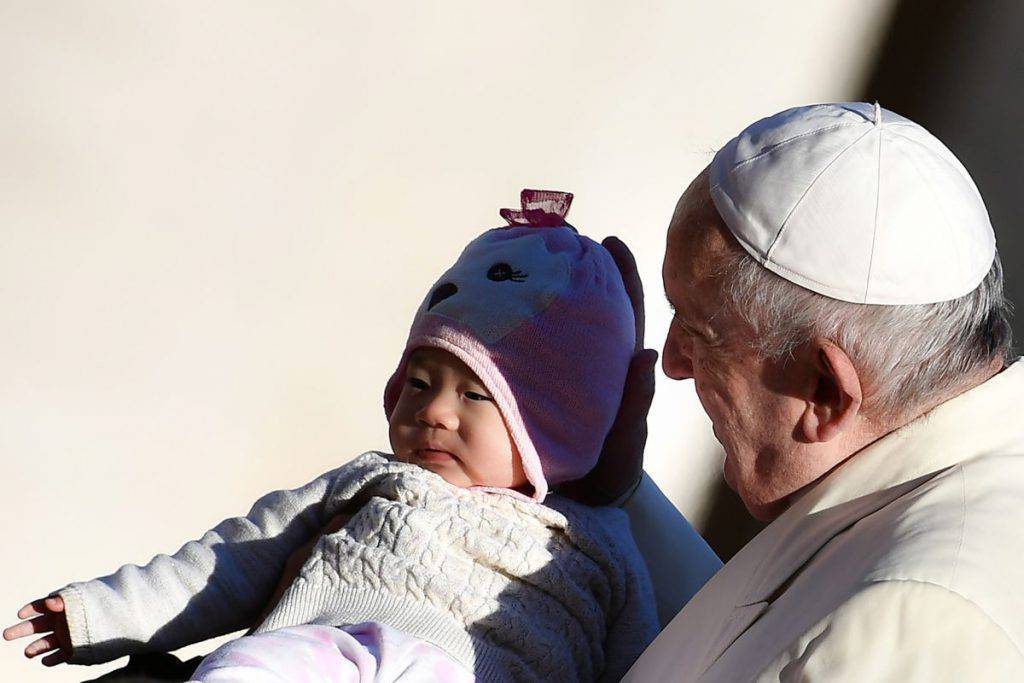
(711, 402)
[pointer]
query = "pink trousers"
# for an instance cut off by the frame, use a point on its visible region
(366, 653)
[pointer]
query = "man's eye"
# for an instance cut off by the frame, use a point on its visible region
(474, 396)
(681, 325)
(417, 383)
(689, 331)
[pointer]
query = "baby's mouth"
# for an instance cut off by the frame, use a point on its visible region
(433, 456)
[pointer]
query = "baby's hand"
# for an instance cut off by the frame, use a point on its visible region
(45, 615)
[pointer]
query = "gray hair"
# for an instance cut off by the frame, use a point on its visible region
(907, 356)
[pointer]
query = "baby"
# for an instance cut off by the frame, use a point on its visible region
(450, 559)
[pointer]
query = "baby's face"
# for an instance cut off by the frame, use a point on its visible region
(446, 421)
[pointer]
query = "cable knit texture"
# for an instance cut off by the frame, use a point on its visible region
(513, 589)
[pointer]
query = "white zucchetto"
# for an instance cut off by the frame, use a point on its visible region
(856, 203)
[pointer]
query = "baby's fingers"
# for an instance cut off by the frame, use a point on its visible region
(32, 609)
(41, 646)
(53, 603)
(41, 624)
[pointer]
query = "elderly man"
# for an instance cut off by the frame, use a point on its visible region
(839, 308)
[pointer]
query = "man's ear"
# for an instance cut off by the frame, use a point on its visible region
(834, 399)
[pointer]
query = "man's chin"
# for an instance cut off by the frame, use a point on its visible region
(762, 511)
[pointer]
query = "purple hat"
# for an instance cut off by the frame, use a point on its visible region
(542, 317)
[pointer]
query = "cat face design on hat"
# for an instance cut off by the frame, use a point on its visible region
(539, 313)
(498, 283)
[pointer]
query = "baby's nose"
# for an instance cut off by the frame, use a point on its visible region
(442, 292)
(438, 414)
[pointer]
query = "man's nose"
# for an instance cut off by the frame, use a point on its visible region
(438, 413)
(675, 360)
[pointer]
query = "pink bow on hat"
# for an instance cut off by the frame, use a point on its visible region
(540, 208)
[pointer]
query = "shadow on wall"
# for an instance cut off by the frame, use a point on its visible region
(957, 68)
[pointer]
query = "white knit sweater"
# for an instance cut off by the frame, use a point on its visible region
(513, 589)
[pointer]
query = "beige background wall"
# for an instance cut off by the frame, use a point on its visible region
(216, 220)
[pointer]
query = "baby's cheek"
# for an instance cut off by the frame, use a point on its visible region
(401, 440)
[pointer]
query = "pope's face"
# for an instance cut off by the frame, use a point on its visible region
(744, 395)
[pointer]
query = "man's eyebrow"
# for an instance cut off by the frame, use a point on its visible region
(678, 313)
(704, 331)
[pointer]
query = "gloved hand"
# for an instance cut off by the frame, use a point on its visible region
(621, 462)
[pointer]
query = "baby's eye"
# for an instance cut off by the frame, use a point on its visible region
(474, 396)
(417, 383)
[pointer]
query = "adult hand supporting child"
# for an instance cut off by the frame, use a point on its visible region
(45, 615)
(622, 459)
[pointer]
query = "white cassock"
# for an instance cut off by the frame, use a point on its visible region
(906, 563)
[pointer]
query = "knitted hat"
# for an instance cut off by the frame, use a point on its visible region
(541, 315)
